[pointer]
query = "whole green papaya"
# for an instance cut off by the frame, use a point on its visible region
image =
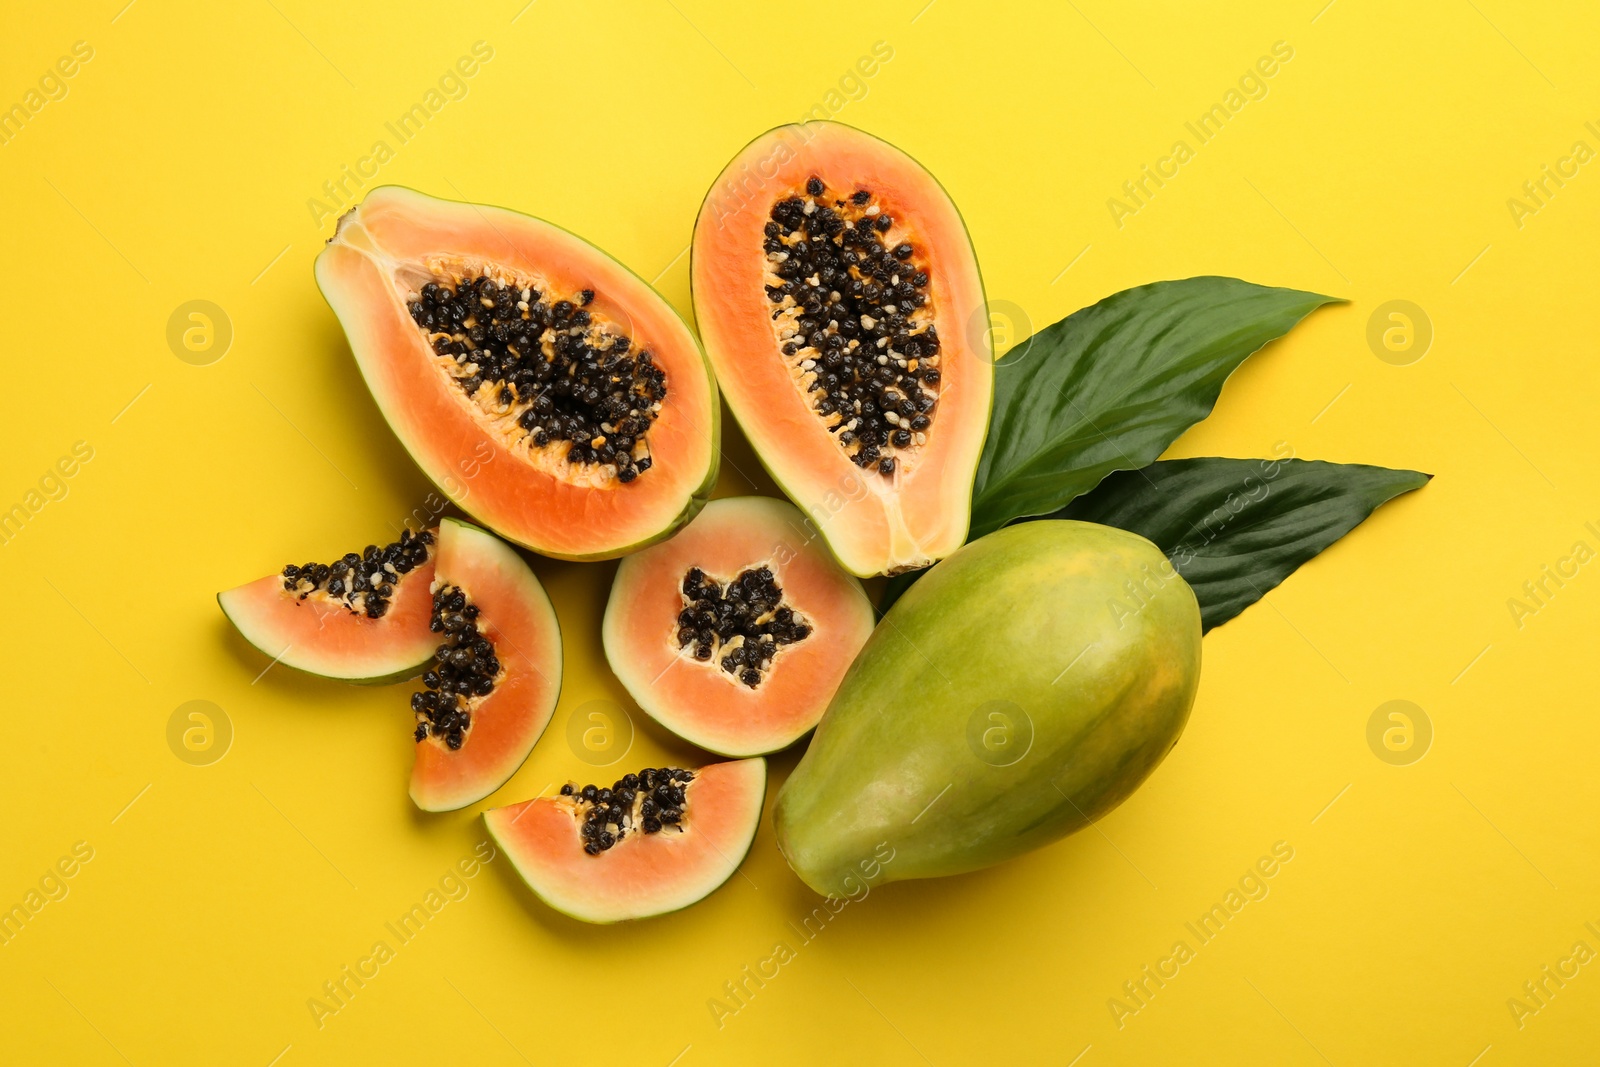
(1023, 688)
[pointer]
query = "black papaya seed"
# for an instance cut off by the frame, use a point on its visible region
(505, 332)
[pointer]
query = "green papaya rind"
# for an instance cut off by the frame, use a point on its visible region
(1084, 641)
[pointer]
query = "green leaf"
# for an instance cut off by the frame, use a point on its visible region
(1110, 387)
(1235, 528)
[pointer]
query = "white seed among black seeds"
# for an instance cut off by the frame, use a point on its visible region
(844, 291)
(746, 621)
(555, 373)
(650, 801)
(364, 582)
(465, 666)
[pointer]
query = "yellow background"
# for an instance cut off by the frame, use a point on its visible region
(1378, 166)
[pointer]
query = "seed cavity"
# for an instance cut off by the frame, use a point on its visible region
(465, 670)
(363, 582)
(650, 801)
(852, 315)
(742, 624)
(551, 373)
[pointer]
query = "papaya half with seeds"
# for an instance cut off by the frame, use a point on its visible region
(1019, 691)
(545, 388)
(840, 303)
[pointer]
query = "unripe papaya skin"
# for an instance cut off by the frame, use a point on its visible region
(1084, 642)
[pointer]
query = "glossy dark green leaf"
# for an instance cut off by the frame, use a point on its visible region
(1235, 528)
(1110, 387)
